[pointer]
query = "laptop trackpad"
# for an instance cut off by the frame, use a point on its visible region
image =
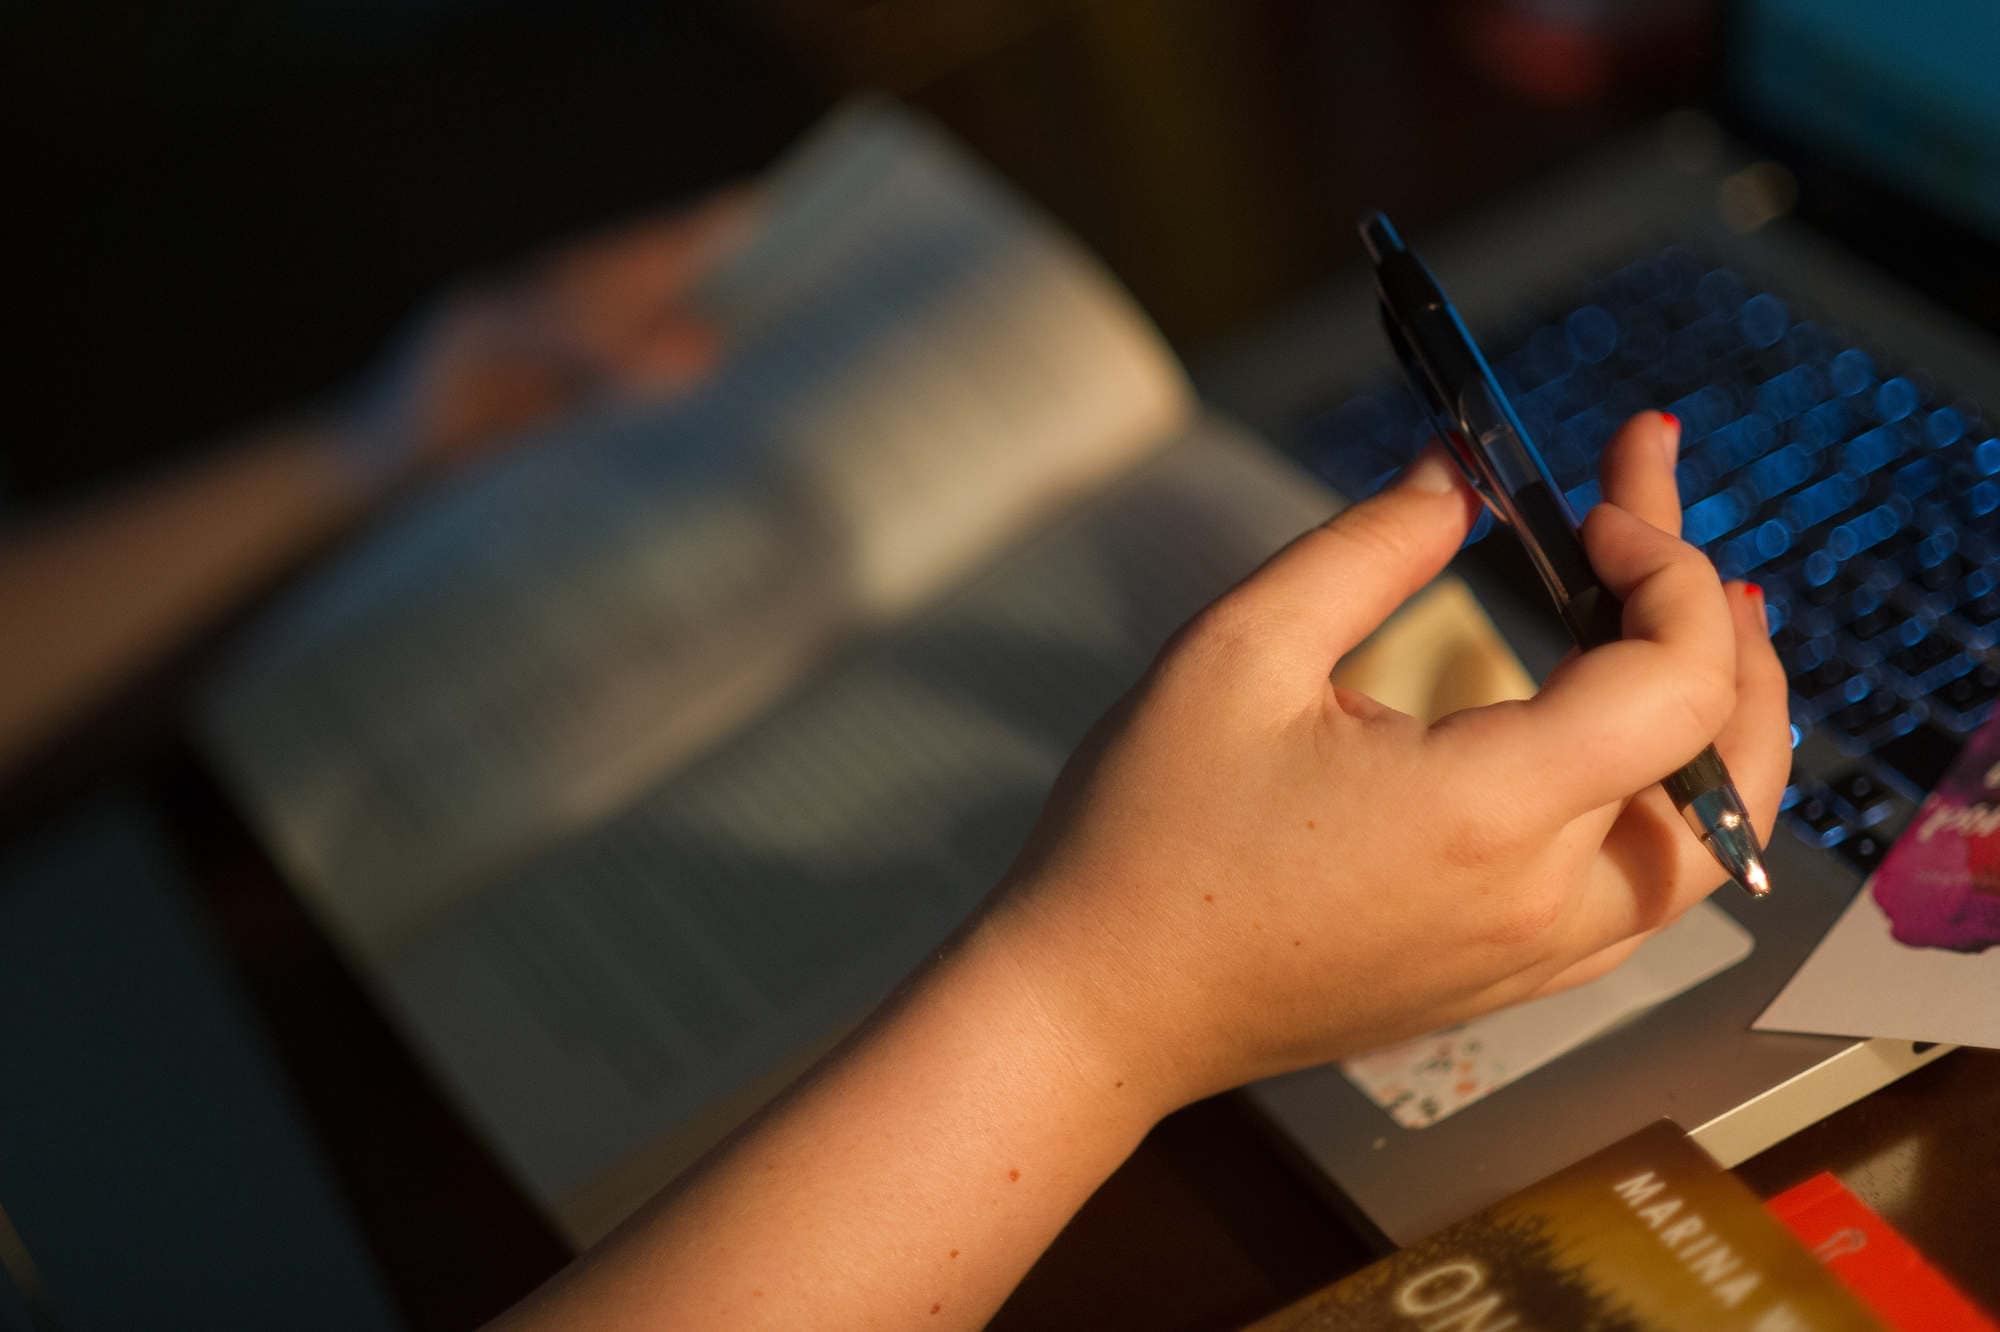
(1423, 1080)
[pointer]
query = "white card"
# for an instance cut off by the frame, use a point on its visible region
(1861, 981)
(1423, 1080)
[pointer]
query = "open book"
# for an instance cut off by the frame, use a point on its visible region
(634, 770)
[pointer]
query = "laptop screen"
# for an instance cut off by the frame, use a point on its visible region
(1904, 94)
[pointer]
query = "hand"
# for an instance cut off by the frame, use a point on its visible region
(605, 318)
(1247, 869)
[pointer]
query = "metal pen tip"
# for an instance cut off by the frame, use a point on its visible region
(1718, 818)
(1734, 847)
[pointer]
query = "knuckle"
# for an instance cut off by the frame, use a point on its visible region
(1227, 638)
(1528, 920)
(1706, 693)
(1478, 840)
(1687, 572)
(1678, 558)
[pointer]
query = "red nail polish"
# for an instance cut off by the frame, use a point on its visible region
(1752, 590)
(1671, 419)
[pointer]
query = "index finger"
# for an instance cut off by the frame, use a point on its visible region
(1332, 586)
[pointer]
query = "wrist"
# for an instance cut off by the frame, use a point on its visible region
(1112, 1029)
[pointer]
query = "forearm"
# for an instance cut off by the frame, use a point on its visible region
(91, 599)
(911, 1181)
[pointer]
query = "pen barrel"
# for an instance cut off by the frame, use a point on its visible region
(1554, 547)
(1703, 773)
(1592, 615)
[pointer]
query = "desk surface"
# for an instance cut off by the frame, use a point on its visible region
(1207, 1225)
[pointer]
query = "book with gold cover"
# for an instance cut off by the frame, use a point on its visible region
(1649, 1233)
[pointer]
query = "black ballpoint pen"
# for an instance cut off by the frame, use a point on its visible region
(1455, 384)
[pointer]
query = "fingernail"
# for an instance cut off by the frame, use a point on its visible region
(1671, 440)
(1433, 472)
(1754, 596)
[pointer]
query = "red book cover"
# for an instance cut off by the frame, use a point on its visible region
(1874, 1262)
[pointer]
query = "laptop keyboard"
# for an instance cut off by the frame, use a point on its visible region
(1860, 494)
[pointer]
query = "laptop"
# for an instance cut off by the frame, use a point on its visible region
(1838, 448)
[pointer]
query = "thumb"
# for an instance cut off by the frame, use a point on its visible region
(1331, 587)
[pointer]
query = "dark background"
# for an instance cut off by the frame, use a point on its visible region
(223, 208)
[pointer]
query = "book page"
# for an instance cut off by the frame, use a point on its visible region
(918, 366)
(599, 1014)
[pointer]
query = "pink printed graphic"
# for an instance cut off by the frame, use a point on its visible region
(1940, 885)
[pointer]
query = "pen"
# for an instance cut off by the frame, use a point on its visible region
(1478, 425)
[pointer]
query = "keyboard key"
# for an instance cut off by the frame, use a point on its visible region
(1807, 341)
(1818, 585)
(1918, 479)
(1922, 755)
(1815, 819)
(1936, 547)
(1763, 320)
(1865, 851)
(1744, 439)
(1852, 372)
(1752, 550)
(1593, 333)
(1825, 678)
(1896, 399)
(1547, 354)
(1862, 718)
(1719, 292)
(1708, 408)
(1822, 500)
(1982, 610)
(1875, 622)
(1707, 519)
(1862, 532)
(1863, 799)
(1824, 426)
(1805, 652)
(1944, 426)
(1966, 699)
(1938, 574)
(1645, 336)
(1776, 473)
(1981, 500)
(1927, 654)
(1870, 450)
(1786, 395)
